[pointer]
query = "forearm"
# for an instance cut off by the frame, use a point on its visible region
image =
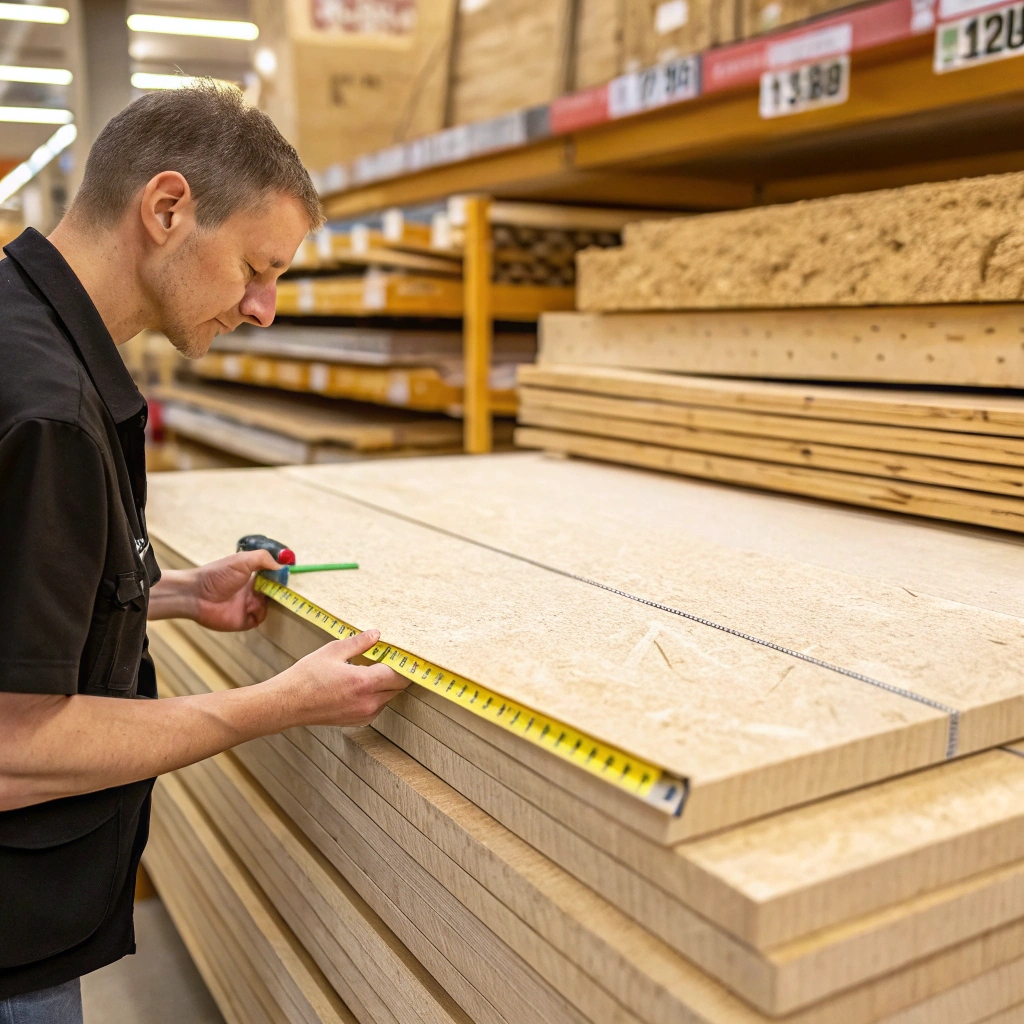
(55, 746)
(174, 595)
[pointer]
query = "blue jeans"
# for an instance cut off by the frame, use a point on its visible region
(61, 1004)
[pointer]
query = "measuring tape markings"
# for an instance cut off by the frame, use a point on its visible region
(953, 732)
(650, 783)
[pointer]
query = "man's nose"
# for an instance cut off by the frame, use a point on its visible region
(259, 303)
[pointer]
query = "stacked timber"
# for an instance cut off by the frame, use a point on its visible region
(754, 17)
(271, 428)
(915, 286)
(408, 369)
(843, 842)
(656, 31)
(509, 55)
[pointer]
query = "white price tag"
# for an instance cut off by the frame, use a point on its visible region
(375, 291)
(319, 377)
(324, 244)
(359, 238)
(824, 83)
(980, 38)
(306, 294)
(671, 82)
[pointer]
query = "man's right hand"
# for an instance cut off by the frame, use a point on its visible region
(324, 689)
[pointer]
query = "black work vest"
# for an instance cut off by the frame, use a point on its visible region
(73, 616)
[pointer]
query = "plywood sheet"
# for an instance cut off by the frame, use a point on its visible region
(933, 243)
(937, 416)
(908, 497)
(393, 766)
(754, 729)
(734, 438)
(659, 30)
(958, 345)
(758, 16)
(598, 49)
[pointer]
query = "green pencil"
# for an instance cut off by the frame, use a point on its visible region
(325, 567)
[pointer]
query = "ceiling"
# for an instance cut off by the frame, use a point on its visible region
(54, 46)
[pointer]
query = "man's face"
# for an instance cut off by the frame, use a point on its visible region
(221, 277)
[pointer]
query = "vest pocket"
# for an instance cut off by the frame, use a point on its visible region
(58, 865)
(117, 635)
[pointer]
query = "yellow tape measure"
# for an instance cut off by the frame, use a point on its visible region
(646, 781)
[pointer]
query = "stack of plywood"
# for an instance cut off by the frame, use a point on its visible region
(753, 17)
(659, 30)
(915, 286)
(509, 55)
(439, 867)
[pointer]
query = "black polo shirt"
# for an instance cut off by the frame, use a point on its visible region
(77, 572)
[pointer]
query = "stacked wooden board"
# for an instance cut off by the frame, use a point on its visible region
(277, 429)
(409, 369)
(671, 623)
(912, 286)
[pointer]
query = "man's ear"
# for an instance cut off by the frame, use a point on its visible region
(167, 208)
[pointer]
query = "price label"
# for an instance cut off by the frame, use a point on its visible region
(671, 82)
(980, 38)
(823, 83)
(306, 295)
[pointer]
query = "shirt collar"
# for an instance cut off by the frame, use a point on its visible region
(41, 261)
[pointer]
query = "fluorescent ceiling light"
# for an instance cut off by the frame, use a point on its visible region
(32, 12)
(24, 172)
(39, 76)
(208, 27)
(35, 115)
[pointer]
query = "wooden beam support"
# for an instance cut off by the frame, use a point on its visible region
(478, 327)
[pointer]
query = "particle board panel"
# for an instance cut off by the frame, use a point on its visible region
(943, 242)
(377, 751)
(751, 444)
(937, 415)
(889, 843)
(755, 17)
(961, 345)
(907, 497)
(660, 30)
(719, 715)
(598, 45)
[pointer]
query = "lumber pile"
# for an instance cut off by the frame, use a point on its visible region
(278, 429)
(936, 243)
(931, 454)
(658, 30)
(508, 55)
(438, 867)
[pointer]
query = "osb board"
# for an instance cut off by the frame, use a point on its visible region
(746, 442)
(598, 42)
(908, 497)
(933, 243)
(509, 55)
(757, 16)
(966, 346)
(435, 812)
(658, 30)
(753, 730)
(939, 414)
(361, 427)
(343, 94)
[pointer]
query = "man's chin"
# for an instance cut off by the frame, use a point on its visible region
(192, 344)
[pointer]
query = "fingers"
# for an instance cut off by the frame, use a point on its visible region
(251, 561)
(354, 645)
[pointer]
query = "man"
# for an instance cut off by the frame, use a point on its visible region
(191, 207)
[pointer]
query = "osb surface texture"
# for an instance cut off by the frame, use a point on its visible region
(958, 241)
(766, 730)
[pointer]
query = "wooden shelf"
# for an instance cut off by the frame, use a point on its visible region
(412, 295)
(901, 123)
(420, 388)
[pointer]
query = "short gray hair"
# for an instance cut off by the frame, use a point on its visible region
(231, 154)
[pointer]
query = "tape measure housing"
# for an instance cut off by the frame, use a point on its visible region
(645, 781)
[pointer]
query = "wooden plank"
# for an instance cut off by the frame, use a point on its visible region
(655, 32)
(990, 449)
(907, 497)
(418, 388)
(478, 327)
(981, 477)
(966, 346)
(794, 752)
(922, 244)
(755, 17)
(447, 812)
(939, 415)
